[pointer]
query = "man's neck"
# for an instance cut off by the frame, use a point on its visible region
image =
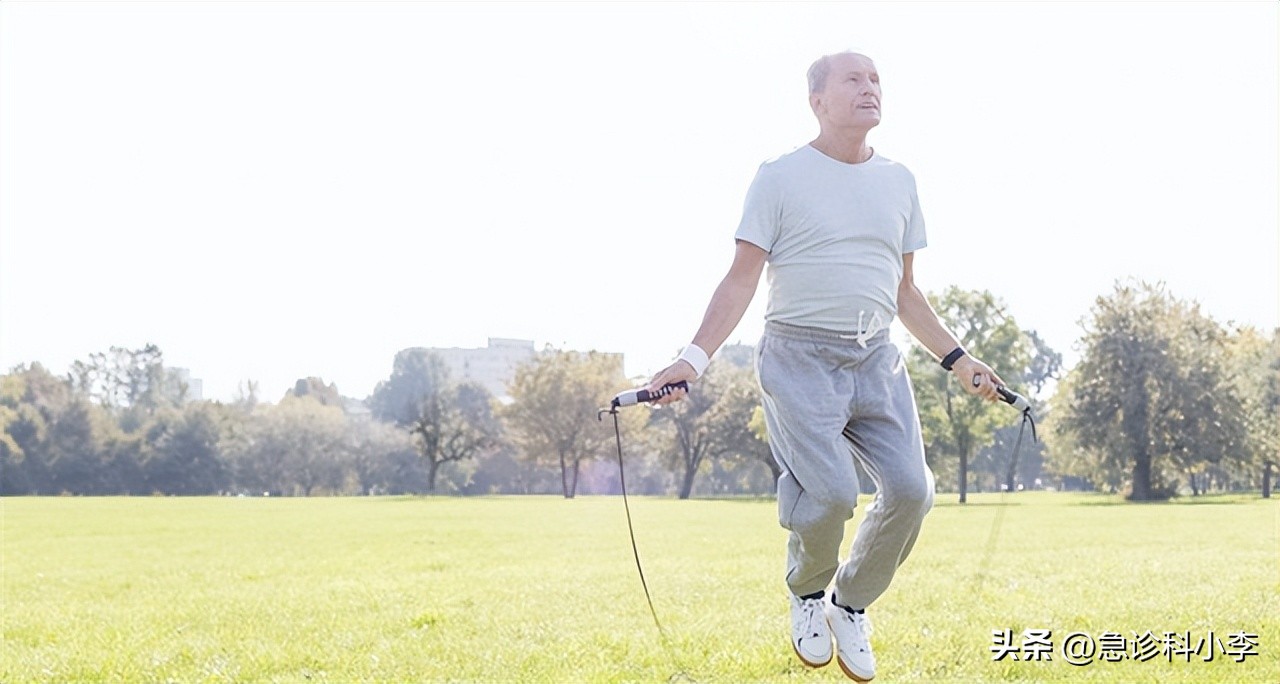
(848, 147)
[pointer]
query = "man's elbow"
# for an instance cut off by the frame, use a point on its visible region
(906, 293)
(910, 300)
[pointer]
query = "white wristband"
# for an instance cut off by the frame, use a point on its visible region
(696, 357)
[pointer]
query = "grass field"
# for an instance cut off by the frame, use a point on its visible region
(541, 589)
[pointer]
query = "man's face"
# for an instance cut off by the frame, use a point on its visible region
(851, 96)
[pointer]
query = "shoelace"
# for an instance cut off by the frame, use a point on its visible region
(864, 624)
(859, 621)
(809, 609)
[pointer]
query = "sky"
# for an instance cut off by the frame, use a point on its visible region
(271, 191)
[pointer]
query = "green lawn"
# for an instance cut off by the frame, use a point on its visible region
(540, 589)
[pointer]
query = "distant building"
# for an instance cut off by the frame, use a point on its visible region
(494, 366)
(194, 386)
(491, 367)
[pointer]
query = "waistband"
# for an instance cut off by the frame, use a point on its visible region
(796, 332)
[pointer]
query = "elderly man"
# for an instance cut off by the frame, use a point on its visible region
(838, 224)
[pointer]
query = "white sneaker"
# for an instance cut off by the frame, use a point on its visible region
(853, 642)
(810, 633)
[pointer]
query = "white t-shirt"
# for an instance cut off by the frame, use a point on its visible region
(835, 234)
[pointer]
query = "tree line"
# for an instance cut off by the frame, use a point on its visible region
(1164, 399)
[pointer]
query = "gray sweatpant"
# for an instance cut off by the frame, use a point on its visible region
(827, 401)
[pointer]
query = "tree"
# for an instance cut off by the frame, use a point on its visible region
(1152, 393)
(450, 422)
(1045, 365)
(184, 452)
(713, 422)
(313, 434)
(11, 455)
(56, 440)
(555, 397)
(760, 430)
(22, 430)
(314, 387)
(246, 397)
(374, 449)
(1065, 457)
(955, 423)
(76, 450)
(1001, 465)
(294, 447)
(1253, 360)
(131, 381)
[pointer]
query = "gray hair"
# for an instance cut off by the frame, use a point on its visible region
(820, 69)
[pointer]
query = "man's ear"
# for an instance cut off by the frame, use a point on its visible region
(815, 101)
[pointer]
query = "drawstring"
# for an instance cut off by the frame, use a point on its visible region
(874, 325)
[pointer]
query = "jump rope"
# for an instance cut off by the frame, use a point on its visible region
(641, 396)
(1020, 403)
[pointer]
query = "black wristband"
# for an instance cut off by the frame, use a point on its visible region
(950, 359)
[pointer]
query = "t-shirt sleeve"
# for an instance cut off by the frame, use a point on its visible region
(761, 212)
(913, 238)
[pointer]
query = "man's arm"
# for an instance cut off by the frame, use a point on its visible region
(728, 304)
(922, 322)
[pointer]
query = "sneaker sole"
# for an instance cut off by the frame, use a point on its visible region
(814, 665)
(849, 673)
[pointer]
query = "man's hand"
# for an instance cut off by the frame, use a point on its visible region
(680, 370)
(968, 370)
